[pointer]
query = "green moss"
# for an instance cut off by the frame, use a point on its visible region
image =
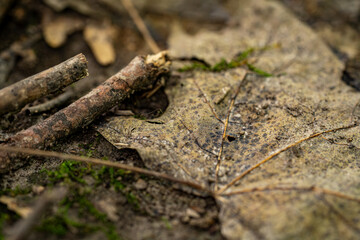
(166, 222)
(15, 192)
(239, 60)
(132, 199)
(86, 208)
(258, 71)
(139, 117)
(111, 176)
(89, 149)
(60, 223)
(69, 171)
(245, 54)
(118, 186)
(72, 174)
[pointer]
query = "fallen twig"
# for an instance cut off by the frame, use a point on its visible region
(55, 102)
(23, 227)
(52, 80)
(140, 74)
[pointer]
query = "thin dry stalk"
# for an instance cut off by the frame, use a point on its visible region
(207, 102)
(218, 164)
(140, 25)
(55, 102)
(313, 189)
(236, 179)
(101, 162)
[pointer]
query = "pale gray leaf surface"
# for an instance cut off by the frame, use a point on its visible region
(268, 114)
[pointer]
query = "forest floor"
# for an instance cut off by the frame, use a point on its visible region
(103, 202)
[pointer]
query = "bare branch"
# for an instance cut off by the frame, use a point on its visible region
(52, 80)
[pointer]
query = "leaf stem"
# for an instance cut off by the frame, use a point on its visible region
(217, 168)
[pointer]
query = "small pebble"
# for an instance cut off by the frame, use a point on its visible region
(38, 189)
(140, 184)
(192, 213)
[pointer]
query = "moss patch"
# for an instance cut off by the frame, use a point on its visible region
(239, 60)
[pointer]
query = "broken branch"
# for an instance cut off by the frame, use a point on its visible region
(140, 74)
(52, 80)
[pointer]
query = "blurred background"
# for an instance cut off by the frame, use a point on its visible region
(37, 34)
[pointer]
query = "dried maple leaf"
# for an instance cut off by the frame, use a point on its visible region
(266, 147)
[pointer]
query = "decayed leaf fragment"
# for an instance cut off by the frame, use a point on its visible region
(100, 39)
(57, 29)
(282, 198)
(12, 205)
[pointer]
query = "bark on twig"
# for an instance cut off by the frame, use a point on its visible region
(140, 74)
(52, 80)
